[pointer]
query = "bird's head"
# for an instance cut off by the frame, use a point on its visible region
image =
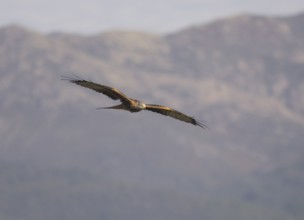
(141, 105)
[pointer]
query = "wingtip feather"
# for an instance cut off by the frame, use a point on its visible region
(200, 124)
(73, 78)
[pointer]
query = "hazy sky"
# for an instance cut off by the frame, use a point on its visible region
(93, 16)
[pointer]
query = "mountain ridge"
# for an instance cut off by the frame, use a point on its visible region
(243, 75)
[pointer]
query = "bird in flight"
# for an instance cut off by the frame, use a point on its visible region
(132, 105)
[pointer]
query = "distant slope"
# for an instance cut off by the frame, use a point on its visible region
(60, 158)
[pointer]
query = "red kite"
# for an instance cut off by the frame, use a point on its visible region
(133, 105)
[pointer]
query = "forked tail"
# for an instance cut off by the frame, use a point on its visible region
(121, 106)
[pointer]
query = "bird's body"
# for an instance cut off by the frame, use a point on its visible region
(132, 105)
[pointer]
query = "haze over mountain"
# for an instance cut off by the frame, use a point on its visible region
(63, 159)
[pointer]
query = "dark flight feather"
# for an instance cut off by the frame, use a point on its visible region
(112, 93)
(164, 110)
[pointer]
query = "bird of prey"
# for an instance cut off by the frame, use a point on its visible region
(132, 105)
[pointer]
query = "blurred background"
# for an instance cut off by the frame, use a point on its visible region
(239, 66)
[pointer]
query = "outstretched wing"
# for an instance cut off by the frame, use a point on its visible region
(106, 90)
(164, 110)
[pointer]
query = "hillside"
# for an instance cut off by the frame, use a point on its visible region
(62, 159)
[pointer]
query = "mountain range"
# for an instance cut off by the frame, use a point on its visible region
(60, 158)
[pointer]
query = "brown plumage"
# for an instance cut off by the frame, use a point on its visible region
(133, 105)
